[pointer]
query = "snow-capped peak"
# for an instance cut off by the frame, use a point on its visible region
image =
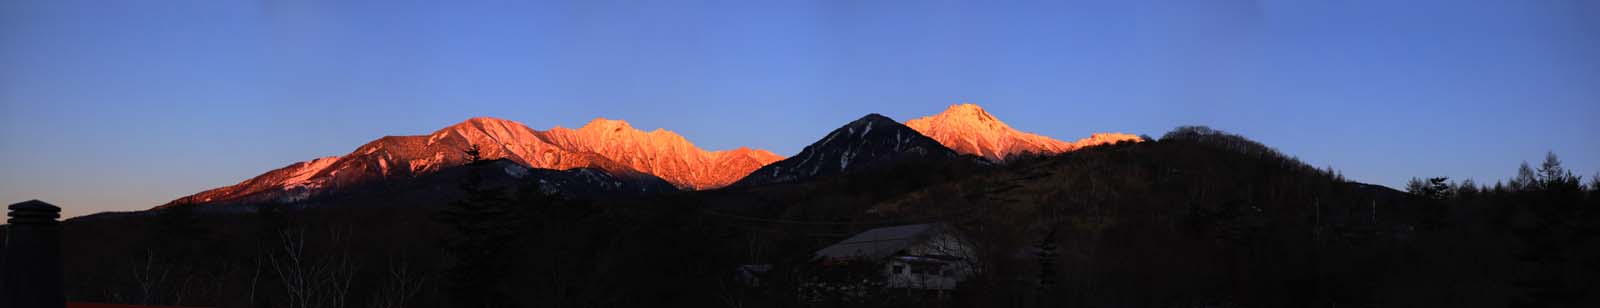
(969, 129)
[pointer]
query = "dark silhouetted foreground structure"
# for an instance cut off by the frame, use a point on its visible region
(924, 256)
(33, 257)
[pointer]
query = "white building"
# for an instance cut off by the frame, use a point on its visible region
(925, 256)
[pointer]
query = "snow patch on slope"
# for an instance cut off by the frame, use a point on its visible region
(383, 165)
(516, 171)
(308, 170)
(418, 166)
(844, 158)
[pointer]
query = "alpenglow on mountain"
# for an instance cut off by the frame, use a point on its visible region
(644, 159)
(968, 129)
(612, 146)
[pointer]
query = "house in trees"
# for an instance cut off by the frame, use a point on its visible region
(925, 256)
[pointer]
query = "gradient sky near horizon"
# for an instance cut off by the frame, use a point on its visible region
(123, 105)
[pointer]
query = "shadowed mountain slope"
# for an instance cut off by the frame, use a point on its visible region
(864, 143)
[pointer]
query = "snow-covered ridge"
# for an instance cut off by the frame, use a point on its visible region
(617, 148)
(969, 129)
(612, 146)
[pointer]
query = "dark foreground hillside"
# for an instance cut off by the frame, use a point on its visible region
(1197, 219)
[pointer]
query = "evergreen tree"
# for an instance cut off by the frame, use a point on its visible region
(484, 229)
(1436, 189)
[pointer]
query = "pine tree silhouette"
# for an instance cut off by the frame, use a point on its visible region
(484, 229)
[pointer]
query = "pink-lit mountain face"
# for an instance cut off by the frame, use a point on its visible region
(609, 145)
(968, 129)
(661, 153)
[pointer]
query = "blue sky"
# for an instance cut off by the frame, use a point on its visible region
(123, 105)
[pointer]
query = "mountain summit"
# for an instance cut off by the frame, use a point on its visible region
(870, 141)
(612, 146)
(968, 129)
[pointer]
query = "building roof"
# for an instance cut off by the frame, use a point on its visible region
(878, 243)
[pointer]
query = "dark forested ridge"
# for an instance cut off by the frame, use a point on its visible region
(1199, 218)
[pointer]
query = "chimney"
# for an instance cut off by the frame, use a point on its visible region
(32, 257)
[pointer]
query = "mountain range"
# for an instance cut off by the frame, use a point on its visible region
(611, 146)
(634, 160)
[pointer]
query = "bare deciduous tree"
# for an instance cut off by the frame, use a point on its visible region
(151, 277)
(399, 285)
(312, 281)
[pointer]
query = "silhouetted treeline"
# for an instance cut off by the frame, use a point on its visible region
(1535, 237)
